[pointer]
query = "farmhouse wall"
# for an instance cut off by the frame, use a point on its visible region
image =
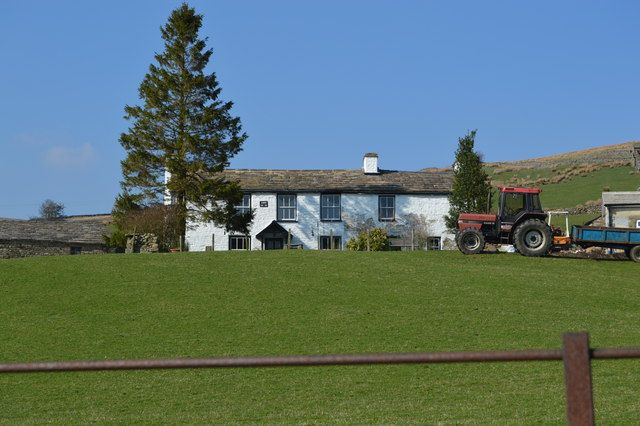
(308, 228)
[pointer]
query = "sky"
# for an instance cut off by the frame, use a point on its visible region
(316, 83)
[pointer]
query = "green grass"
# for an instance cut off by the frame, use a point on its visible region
(273, 303)
(581, 189)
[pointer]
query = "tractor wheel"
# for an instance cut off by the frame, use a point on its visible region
(634, 254)
(533, 238)
(470, 241)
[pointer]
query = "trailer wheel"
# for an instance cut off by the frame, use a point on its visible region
(470, 241)
(634, 254)
(533, 238)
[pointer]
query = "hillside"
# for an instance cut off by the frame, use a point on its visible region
(307, 302)
(573, 181)
(601, 155)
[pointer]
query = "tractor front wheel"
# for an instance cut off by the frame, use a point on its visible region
(533, 238)
(470, 241)
(634, 254)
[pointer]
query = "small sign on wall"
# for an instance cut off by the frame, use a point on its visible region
(264, 204)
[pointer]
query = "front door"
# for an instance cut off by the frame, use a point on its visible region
(273, 243)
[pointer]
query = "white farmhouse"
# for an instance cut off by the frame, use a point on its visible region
(317, 209)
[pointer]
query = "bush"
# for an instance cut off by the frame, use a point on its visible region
(375, 239)
(117, 239)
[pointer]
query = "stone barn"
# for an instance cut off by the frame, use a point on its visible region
(40, 237)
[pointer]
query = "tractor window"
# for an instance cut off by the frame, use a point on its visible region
(535, 202)
(513, 204)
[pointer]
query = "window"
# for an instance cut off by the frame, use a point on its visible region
(330, 243)
(239, 242)
(245, 205)
(535, 202)
(287, 207)
(513, 204)
(75, 250)
(386, 208)
(330, 207)
(433, 243)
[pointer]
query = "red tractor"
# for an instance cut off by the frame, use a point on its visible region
(520, 221)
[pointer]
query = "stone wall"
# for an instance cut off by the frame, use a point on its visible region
(142, 243)
(26, 248)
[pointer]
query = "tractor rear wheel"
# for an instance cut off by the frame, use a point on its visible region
(470, 241)
(533, 238)
(634, 254)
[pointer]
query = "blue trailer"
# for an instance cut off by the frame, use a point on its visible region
(627, 239)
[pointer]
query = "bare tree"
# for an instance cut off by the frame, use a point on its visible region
(413, 230)
(50, 209)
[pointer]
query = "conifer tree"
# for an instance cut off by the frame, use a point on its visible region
(185, 128)
(471, 184)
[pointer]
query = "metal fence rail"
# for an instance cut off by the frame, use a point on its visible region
(575, 353)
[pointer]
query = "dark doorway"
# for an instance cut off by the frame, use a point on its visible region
(273, 243)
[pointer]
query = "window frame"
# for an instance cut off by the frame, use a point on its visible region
(246, 238)
(279, 206)
(380, 208)
(242, 208)
(339, 207)
(337, 242)
(431, 239)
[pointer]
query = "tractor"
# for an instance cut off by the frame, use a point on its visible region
(520, 221)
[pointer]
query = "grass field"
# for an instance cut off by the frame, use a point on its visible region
(298, 302)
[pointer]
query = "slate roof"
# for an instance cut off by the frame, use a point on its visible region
(86, 229)
(343, 181)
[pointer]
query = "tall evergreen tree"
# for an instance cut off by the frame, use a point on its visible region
(184, 128)
(471, 184)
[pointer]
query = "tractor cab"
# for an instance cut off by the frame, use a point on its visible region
(515, 203)
(520, 221)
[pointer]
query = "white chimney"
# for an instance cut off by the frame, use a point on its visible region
(371, 163)
(168, 200)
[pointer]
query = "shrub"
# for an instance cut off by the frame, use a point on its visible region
(375, 239)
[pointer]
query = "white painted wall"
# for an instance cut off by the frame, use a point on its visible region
(307, 229)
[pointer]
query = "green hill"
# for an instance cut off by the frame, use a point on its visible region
(309, 302)
(572, 181)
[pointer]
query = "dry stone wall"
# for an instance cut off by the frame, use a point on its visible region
(26, 248)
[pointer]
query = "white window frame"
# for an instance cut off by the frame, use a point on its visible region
(386, 208)
(287, 203)
(245, 206)
(330, 203)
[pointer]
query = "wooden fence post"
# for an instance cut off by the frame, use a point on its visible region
(576, 356)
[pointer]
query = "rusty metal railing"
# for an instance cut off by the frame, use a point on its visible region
(575, 353)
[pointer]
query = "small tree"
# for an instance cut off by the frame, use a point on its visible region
(50, 209)
(470, 182)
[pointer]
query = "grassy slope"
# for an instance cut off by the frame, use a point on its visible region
(262, 303)
(578, 189)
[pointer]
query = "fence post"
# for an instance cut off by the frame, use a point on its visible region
(576, 356)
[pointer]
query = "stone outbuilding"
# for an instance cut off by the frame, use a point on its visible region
(621, 209)
(64, 236)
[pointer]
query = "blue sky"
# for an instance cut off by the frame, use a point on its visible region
(317, 84)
